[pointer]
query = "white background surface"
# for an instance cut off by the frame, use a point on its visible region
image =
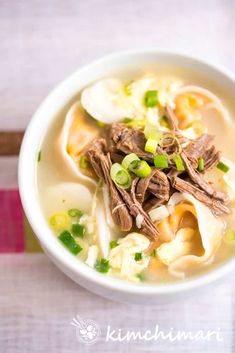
(41, 42)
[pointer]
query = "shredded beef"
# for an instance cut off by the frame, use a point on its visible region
(211, 158)
(123, 204)
(147, 226)
(156, 189)
(198, 179)
(130, 140)
(157, 185)
(197, 148)
(217, 207)
(173, 121)
(116, 157)
(101, 163)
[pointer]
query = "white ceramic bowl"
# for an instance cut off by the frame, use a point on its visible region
(54, 103)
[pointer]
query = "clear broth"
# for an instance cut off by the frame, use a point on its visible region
(51, 170)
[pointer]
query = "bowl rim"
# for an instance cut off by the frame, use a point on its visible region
(30, 201)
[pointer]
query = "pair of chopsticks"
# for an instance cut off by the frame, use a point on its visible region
(10, 142)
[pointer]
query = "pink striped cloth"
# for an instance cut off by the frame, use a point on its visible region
(11, 222)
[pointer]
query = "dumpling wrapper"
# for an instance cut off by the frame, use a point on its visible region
(211, 100)
(102, 100)
(210, 229)
(74, 195)
(74, 124)
(67, 195)
(209, 110)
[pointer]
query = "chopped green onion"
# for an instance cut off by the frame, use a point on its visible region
(153, 253)
(100, 123)
(140, 276)
(142, 170)
(128, 88)
(83, 162)
(120, 176)
(229, 235)
(130, 161)
(151, 99)
(39, 156)
(152, 132)
(161, 161)
(200, 166)
(223, 167)
(136, 123)
(59, 221)
(138, 256)
(113, 244)
(67, 239)
(78, 230)
(164, 121)
(75, 212)
(127, 120)
(102, 265)
(151, 146)
(179, 163)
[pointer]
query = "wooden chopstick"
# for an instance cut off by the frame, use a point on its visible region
(10, 142)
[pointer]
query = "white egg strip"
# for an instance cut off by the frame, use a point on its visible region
(103, 231)
(122, 257)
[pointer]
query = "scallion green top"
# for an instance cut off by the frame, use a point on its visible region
(223, 167)
(151, 99)
(138, 256)
(102, 265)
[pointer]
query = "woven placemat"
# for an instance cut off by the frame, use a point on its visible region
(16, 234)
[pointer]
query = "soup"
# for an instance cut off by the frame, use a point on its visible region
(136, 178)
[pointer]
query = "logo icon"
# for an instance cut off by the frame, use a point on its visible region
(87, 331)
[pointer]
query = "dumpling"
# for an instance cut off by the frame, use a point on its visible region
(193, 105)
(104, 100)
(75, 135)
(67, 195)
(180, 254)
(181, 245)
